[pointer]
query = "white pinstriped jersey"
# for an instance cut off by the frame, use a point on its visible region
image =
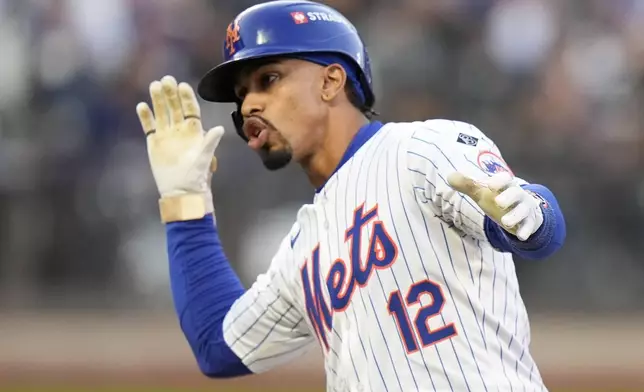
(391, 272)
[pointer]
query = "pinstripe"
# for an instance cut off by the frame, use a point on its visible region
(393, 365)
(287, 285)
(426, 274)
(448, 286)
(505, 297)
(441, 176)
(481, 135)
(436, 166)
(275, 324)
(360, 181)
(434, 186)
(494, 279)
(499, 322)
(404, 258)
(267, 358)
(478, 244)
(453, 205)
(449, 289)
(505, 307)
(313, 240)
(334, 329)
(375, 315)
(384, 338)
(258, 319)
(338, 231)
(444, 201)
(467, 259)
(516, 367)
(494, 283)
(476, 166)
(314, 223)
(239, 314)
(469, 299)
(516, 306)
(384, 383)
(354, 311)
(505, 372)
(297, 324)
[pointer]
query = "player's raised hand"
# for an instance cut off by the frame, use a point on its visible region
(181, 154)
(504, 201)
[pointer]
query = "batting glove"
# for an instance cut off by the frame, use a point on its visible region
(501, 198)
(181, 154)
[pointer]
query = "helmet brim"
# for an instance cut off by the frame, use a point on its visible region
(218, 84)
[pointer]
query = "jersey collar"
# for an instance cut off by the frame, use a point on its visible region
(363, 135)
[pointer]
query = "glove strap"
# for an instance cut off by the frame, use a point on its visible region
(185, 207)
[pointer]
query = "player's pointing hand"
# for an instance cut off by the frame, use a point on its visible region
(504, 201)
(181, 154)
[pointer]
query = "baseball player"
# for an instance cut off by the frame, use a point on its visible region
(401, 269)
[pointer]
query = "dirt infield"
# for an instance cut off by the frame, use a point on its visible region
(72, 353)
(160, 380)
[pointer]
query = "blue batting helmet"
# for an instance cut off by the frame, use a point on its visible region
(283, 28)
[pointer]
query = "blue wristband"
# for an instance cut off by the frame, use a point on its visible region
(544, 242)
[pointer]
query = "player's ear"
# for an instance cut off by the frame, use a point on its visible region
(334, 80)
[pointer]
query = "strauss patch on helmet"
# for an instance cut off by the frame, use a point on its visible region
(316, 16)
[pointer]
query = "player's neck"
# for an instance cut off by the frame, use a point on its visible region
(340, 131)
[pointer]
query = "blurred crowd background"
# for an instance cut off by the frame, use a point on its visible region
(558, 84)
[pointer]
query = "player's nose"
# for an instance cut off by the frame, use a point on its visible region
(253, 104)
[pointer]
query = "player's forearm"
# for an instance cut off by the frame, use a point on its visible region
(204, 287)
(544, 242)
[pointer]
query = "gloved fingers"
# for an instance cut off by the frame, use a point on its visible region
(526, 229)
(159, 105)
(510, 197)
(146, 117)
(171, 95)
(516, 215)
(212, 139)
(500, 181)
(190, 107)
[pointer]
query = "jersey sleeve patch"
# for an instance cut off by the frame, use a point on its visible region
(491, 163)
(466, 139)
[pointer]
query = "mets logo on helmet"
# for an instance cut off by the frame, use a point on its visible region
(232, 37)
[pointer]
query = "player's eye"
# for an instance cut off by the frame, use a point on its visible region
(267, 79)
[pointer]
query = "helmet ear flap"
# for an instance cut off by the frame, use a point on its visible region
(238, 122)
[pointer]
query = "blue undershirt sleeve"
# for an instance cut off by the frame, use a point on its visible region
(204, 287)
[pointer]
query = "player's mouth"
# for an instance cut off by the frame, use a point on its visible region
(256, 130)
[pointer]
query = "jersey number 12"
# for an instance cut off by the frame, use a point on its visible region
(419, 331)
